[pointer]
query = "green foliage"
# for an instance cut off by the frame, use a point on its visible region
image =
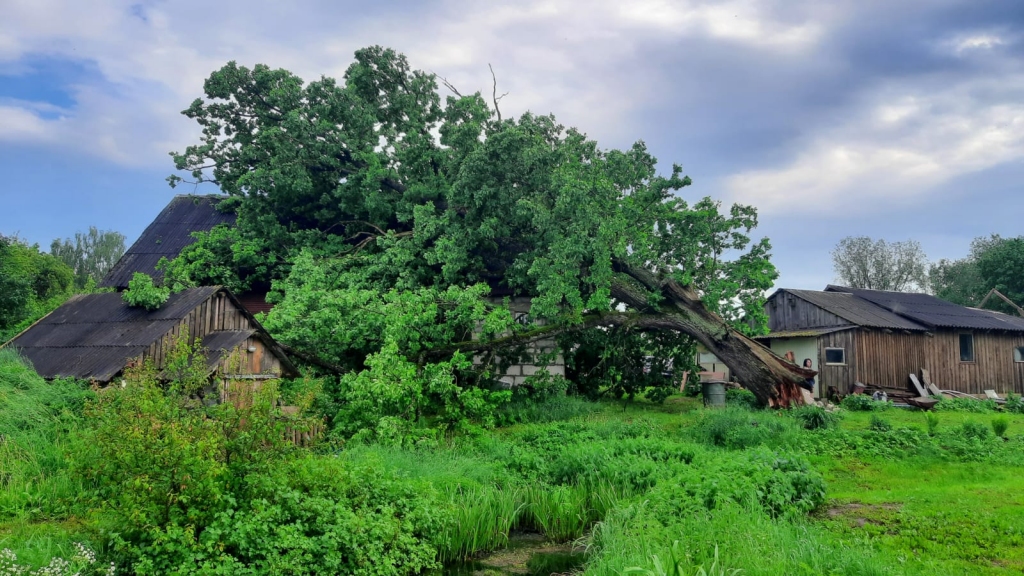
(741, 397)
(38, 422)
(965, 405)
(861, 262)
(32, 284)
(1014, 404)
(816, 417)
(82, 563)
(381, 240)
(879, 424)
(90, 255)
(932, 421)
(993, 262)
(999, 425)
(738, 428)
(143, 293)
(863, 403)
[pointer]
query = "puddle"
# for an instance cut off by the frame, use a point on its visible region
(526, 555)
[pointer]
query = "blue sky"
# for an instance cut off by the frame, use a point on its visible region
(894, 120)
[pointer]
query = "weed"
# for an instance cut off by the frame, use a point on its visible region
(816, 417)
(879, 424)
(999, 426)
(863, 403)
(932, 421)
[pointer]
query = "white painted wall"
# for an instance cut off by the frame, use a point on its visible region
(802, 348)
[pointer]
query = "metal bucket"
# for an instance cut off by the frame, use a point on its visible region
(713, 393)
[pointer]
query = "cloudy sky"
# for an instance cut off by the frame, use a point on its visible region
(899, 120)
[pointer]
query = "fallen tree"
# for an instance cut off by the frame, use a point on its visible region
(381, 240)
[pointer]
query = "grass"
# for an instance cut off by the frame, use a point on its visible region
(658, 489)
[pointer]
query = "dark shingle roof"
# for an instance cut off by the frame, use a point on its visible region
(807, 333)
(166, 236)
(92, 336)
(856, 310)
(933, 312)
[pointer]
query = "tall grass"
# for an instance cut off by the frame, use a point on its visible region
(38, 425)
(483, 518)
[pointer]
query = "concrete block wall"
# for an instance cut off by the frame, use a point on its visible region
(530, 364)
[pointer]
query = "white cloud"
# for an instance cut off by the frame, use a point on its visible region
(896, 150)
(20, 124)
(571, 57)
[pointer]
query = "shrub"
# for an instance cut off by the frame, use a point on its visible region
(933, 423)
(965, 405)
(142, 293)
(1014, 404)
(879, 424)
(741, 397)
(816, 417)
(738, 428)
(863, 403)
(758, 479)
(974, 430)
(999, 426)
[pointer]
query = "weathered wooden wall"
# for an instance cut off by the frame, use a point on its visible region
(788, 312)
(840, 376)
(242, 362)
(888, 358)
(218, 313)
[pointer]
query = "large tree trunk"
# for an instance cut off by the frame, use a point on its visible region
(773, 380)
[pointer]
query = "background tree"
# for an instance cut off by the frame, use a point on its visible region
(381, 239)
(32, 283)
(861, 262)
(993, 262)
(91, 254)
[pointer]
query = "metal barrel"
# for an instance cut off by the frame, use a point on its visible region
(713, 393)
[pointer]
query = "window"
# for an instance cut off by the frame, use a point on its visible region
(967, 347)
(707, 358)
(1018, 354)
(835, 356)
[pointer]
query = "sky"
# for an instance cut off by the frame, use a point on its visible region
(895, 120)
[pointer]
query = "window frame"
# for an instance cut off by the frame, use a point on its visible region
(1018, 354)
(960, 348)
(841, 349)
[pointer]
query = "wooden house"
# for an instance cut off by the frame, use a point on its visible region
(95, 336)
(879, 338)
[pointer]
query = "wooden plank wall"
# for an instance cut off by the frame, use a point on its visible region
(842, 377)
(215, 314)
(887, 359)
(787, 312)
(262, 361)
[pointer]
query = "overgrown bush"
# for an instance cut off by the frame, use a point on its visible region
(999, 425)
(1014, 404)
(863, 403)
(738, 428)
(741, 397)
(142, 293)
(965, 405)
(879, 424)
(816, 417)
(758, 479)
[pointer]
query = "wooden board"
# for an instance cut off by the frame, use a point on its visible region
(934, 390)
(917, 386)
(926, 378)
(991, 394)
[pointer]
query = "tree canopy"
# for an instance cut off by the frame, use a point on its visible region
(861, 262)
(32, 283)
(90, 254)
(383, 217)
(994, 262)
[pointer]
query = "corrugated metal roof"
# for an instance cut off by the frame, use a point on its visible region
(855, 310)
(93, 336)
(813, 333)
(166, 236)
(933, 312)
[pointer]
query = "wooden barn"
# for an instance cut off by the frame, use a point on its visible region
(95, 336)
(879, 338)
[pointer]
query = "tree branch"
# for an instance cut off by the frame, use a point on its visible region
(494, 92)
